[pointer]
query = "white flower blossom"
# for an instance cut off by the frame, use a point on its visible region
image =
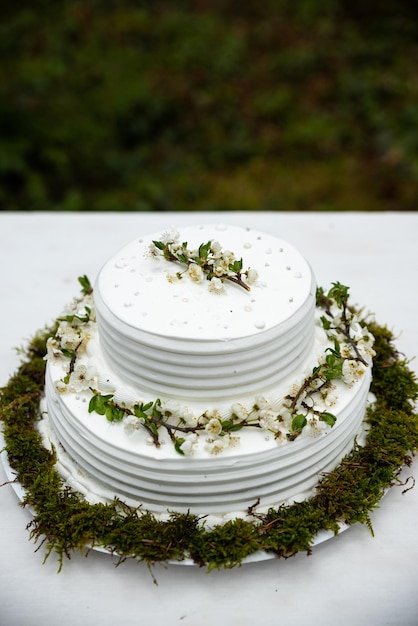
(286, 415)
(189, 444)
(216, 446)
(280, 437)
(313, 428)
(216, 248)
(239, 411)
(61, 387)
(365, 347)
(53, 350)
(228, 256)
(79, 379)
(268, 420)
(214, 427)
(69, 337)
(216, 286)
(208, 415)
(329, 397)
(233, 441)
(252, 276)
(220, 269)
(261, 402)
(189, 417)
(195, 272)
(131, 424)
(169, 408)
(170, 236)
(352, 371)
(173, 278)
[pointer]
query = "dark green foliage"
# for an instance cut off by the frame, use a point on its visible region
(198, 105)
(65, 522)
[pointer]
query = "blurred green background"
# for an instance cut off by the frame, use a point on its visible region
(209, 105)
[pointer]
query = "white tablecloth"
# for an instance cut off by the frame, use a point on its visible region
(352, 579)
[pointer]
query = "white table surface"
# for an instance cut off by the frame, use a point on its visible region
(354, 579)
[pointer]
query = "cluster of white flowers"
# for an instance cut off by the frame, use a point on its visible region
(71, 338)
(358, 353)
(218, 445)
(208, 261)
(216, 285)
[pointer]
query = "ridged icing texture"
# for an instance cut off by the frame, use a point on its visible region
(180, 340)
(111, 462)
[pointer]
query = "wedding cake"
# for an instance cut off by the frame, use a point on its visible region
(204, 373)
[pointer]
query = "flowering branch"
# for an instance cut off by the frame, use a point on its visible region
(209, 261)
(305, 407)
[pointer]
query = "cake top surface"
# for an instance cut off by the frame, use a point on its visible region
(146, 291)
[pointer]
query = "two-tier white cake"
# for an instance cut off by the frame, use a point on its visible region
(176, 388)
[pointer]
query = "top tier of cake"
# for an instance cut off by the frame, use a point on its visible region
(176, 338)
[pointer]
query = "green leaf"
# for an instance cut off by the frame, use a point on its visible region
(178, 441)
(99, 403)
(85, 284)
(204, 250)
(68, 353)
(236, 266)
(339, 293)
(113, 414)
(299, 422)
(326, 323)
(328, 418)
(155, 412)
(230, 426)
(160, 245)
(334, 367)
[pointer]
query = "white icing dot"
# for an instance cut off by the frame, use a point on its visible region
(148, 279)
(248, 308)
(128, 304)
(185, 299)
(260, 324)
(288, 268)
(121, 264)
(247, 245)
(269, 251)
(221, 227)
(290, 299)
(298, 275)
(136, 293)
(116, 286)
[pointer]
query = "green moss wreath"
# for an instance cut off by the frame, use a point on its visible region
(65, 522)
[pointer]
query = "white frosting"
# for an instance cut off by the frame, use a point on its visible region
(156, 339)
(183, 341)
(114, 463)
